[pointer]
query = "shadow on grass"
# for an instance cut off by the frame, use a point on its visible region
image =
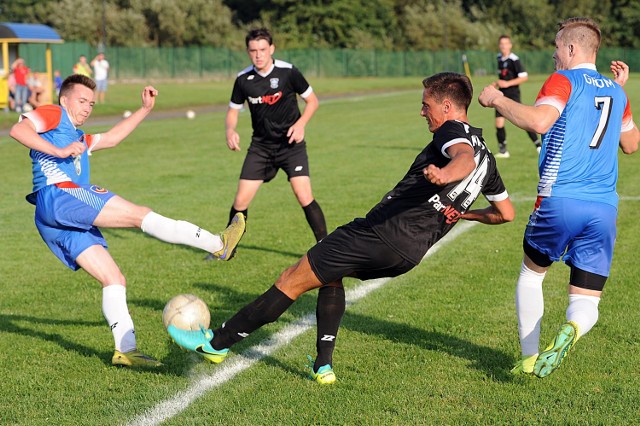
(270, 250)
(8, 324)
(492, 362)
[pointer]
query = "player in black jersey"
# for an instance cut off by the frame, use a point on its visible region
(511, 74)
(439, 188)
(270, 88)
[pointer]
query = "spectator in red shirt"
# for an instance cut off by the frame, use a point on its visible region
(20, 72)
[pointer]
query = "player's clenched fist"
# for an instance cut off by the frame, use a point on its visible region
(436, 175)
(488, 95)
(149, 94)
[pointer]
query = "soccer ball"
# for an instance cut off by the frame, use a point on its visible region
(187, 312)
(191, 114)
(127, 114)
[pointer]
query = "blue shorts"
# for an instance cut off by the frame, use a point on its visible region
(582, 233)
(101, 85)
(64, 217)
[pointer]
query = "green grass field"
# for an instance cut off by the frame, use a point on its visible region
(431, 347)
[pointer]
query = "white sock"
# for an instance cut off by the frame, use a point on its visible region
(530, 308)
(114, 308)
(180, 232)
(583, 310)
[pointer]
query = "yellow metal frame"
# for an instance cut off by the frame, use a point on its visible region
(4, 86)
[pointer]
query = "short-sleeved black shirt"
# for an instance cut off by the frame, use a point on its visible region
(510, 68)
(416, 213)
(272, 100)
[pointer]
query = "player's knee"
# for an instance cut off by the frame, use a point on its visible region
(114, 277)
(297, 279)
(141, 212)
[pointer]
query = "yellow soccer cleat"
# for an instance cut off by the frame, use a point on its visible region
(230, 238)
(525, 365)
(134, 359)
(551, 358)
(324, 375)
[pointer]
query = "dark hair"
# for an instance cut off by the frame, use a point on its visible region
(259, 34)
(504, 36)
(72, 80)
(453, 86)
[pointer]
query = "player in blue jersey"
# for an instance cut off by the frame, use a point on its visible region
(584, 117)
(69, 209)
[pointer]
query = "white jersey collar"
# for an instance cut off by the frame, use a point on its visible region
(264, 74)
(586, 65)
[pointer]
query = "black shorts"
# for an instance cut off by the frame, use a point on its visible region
(354, 250)
(263, 161)
(514, 96)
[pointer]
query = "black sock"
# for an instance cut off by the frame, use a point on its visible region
(265, 309)
(233, 212)
(534, 138)
(329, 311)
(315, 217)
(501, 134)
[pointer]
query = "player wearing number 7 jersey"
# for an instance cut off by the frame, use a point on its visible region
(584, 117)
(437, 191)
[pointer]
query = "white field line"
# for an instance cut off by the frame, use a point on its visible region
(237, 364)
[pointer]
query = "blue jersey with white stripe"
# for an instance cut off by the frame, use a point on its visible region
(579, 157)
(53, 124)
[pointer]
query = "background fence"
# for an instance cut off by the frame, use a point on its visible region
(208, 62)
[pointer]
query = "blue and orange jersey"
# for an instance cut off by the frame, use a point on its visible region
(53, 124)
(579, 157)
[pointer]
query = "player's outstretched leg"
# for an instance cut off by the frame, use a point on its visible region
(198, 341)
(231, 237)
(551, 358)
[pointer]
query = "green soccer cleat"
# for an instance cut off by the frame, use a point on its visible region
(134, 359)
(230, 238)
(324, 375)
(525, 365)
(198, 341)
(549, 360)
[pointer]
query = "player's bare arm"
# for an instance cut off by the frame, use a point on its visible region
(629, 140)
(296, 132)
(120, 131)
(230, 124)
(537, 119)
(459, 167)
(497, 213)
(25, 133)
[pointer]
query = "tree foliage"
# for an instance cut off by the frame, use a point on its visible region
(380, 24)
